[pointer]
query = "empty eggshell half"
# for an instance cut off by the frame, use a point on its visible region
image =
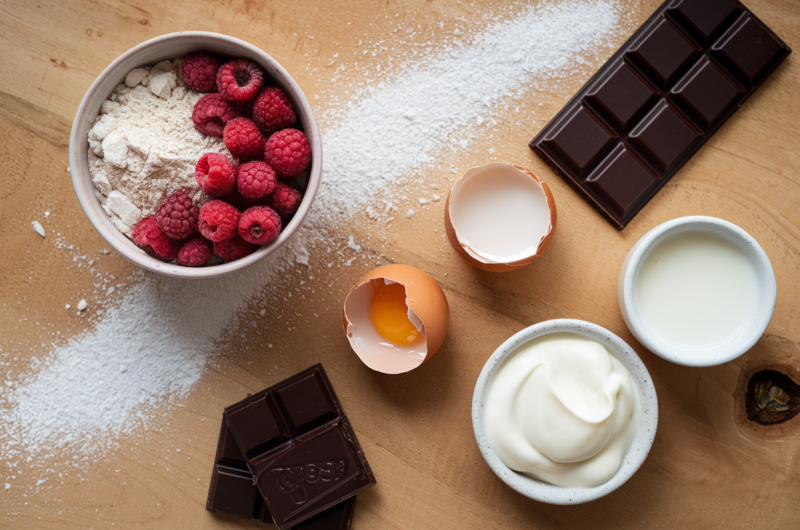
(427, 310)
(500, 217)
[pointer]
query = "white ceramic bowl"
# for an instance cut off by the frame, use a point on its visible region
(172, 46)
(642, 441)
(749, 333)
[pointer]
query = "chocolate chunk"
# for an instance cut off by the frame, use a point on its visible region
(659, 98)
(232, 491)
(300, 447)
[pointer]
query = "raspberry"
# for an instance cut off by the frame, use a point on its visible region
(199, 71)
(211, 113)
(177, 216)
(285, 200)
(288, 152)
(273, 110)
(148, 235)
(259, 225)
(215, 174)
(255, 179)
(239, 80)
(195, 252)
(243, 139)
(233, 248)
(218, 220)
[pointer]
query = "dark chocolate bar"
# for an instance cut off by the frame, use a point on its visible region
(232, 491)
(659, 98)
(300, 447)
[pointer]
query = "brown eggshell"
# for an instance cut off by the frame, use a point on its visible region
(501, 266)
(424, 297)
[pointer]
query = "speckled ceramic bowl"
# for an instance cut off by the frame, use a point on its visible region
(172, 46)
(642, 442)
(748, 333)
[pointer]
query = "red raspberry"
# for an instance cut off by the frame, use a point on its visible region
(233, 248)
(255, 179)
(211, 113)
(177, 216)
(195, 252)
(259, 225)
(215, 174)
(148, 235)
(199, 71)
(285, 200)
(218, 220)
(239, 80)
(243, 139)
(288, 152)
(273, 110)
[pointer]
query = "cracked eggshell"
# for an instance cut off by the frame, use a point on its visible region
(427, 310)
(472, 255)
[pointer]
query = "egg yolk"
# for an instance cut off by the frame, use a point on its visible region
(389, 314)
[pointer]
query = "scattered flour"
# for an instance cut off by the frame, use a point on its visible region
(407, 122)
(38, 228)
(152, 346)
(143, 145)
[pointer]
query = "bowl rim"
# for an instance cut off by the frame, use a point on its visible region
(722, 353)
(84, 190)
(640, 445)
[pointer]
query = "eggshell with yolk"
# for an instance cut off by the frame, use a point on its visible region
(462, 249)
(428, 311)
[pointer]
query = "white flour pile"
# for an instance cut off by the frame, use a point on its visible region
(144, 145)
(152, 347)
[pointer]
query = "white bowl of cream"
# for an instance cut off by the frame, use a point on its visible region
(564, 412)
(697, 291)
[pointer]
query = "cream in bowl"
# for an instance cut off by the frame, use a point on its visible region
(562, 409)
(500, 217)
(564, 412)
(697, 291)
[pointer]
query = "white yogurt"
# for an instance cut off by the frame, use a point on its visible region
(696, 290)
(562, 409)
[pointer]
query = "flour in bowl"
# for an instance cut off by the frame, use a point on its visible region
(143, 145)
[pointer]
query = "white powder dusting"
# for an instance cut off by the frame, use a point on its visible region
(143, 145)
(149, 349)
(152, 347)
(406, 122)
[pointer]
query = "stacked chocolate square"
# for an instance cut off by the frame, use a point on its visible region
(288, 456)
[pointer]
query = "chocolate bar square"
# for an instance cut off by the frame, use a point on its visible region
(748, 47)
(663, 50)
(308, 458)
(622, 95)
(704, 17)
(664, 135)
(579, 140)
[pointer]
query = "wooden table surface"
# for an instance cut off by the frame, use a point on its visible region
(706, 470)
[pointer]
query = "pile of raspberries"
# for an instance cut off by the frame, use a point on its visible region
(255, 195)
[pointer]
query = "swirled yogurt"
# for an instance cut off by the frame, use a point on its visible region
(562, 409)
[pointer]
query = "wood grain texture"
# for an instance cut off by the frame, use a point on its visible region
(704, 471)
